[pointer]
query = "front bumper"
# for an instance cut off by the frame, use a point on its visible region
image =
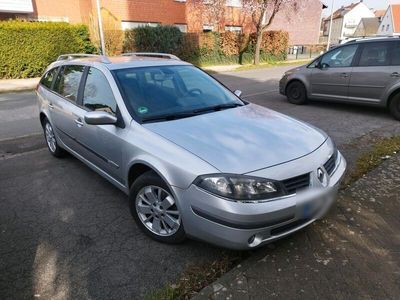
(238, 225)
(282, 85)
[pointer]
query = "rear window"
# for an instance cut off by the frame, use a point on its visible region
(396, 55)
(67, 82)
(47, 79)
(375, 54)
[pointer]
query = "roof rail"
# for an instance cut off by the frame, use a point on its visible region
(102, 58)
(152, 54)
(375, 37)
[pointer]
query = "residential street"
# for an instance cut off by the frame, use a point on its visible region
(67, 233)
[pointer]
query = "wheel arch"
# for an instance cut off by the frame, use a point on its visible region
(391, 96)
(42, 117)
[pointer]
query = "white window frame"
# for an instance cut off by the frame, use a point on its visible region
(233, 28)
(181, 26)
(126, 25)
(234, 3)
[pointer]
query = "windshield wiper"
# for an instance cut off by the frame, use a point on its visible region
(217, 107)
(196, 112)
(169, 117)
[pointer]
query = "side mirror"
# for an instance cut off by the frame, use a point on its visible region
(238, 93)
(323, 66)
(100, 118)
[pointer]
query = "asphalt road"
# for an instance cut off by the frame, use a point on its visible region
(18, 115)
(67, 233)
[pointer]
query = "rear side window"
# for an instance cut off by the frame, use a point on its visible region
(375, 54)
(98, 94)
(396, 55)
(47, 79)
(67, 82)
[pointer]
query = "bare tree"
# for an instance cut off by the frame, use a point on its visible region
(263, 13)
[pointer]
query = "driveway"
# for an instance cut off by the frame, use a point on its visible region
(67, 233)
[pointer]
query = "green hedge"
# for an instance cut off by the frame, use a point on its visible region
(164, 39)
(206, 48)
(27, 48)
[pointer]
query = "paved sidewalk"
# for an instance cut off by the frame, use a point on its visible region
(354, 253)
(15, 85)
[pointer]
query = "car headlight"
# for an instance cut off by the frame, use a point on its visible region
(240, 187)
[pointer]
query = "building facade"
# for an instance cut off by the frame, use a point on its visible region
(390, 24)
(302, 23)
(345, 21)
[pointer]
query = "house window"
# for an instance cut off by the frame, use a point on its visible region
(234, 3)
(208, 28)
(132, 25)
(182, 27)
(233, 28)
(387, 27)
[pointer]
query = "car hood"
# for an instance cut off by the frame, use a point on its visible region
(242, 139)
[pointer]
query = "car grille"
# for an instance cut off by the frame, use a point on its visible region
(331, 163)
(294, 184)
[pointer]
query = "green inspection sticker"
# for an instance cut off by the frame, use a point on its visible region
(143, 110)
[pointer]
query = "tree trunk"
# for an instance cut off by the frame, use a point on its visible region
(258, 48)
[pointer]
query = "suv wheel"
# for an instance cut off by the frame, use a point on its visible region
(51, 140)
(394, 106)
(296, 93)
(154, 209)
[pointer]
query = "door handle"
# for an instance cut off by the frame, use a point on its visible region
(51, 106)
(78, 122)
(344, 75)
(395, 74)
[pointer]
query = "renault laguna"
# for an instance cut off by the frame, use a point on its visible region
(194, 158)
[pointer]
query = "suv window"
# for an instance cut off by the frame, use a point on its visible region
(396, 54)
(98, 94)
(375, 54)
(68, 80)
(47, 79)
(340, 57)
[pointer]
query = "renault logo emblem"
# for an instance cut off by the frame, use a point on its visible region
(322, 177)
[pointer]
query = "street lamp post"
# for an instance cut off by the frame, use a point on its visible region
(103, 47)
(330, 26)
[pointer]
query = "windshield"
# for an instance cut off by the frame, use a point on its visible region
(162, 92)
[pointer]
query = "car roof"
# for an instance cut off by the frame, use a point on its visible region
(130, 60)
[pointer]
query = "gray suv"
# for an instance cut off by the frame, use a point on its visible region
(194, 158)
(363, 71)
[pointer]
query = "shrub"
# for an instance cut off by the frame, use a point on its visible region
(166, 39)
(206, 48)
(113, 35)
(27, 48)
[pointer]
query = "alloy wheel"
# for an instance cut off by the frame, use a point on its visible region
(50, 137)
(157, 210)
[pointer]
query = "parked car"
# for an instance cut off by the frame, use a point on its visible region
(365, 71)
(195, 159)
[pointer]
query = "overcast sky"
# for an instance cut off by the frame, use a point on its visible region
(377, 4)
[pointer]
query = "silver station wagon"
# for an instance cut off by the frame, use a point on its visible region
(195, 159)
(362, 71)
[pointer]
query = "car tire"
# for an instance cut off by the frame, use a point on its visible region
(296, 93)
(154, 209)
(394, 106)
(51, 140)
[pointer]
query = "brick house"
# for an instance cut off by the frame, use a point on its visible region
(303, 24)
